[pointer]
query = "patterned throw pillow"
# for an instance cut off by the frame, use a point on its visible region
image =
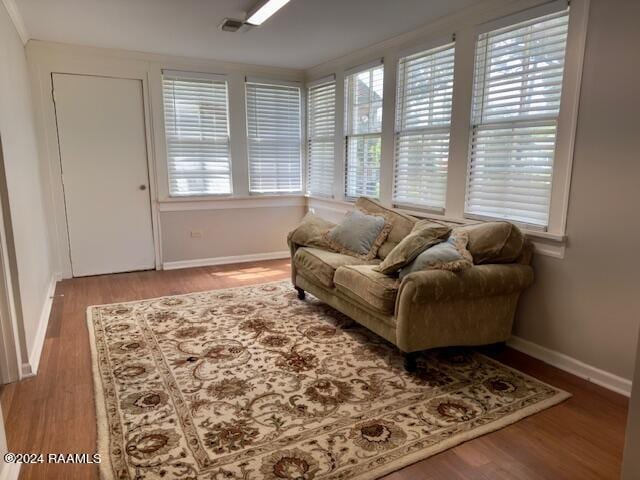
(425, 233)
(359, 234)
(451, 255)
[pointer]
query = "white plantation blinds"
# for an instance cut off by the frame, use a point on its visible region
(518, 83)
(363, 104)
(197, 134)
(321, 124)
(423, 122)
(274, 138)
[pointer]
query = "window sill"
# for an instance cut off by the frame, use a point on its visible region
(230, 202)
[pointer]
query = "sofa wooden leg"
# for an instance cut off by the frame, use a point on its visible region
(411, 361)
(301, 294)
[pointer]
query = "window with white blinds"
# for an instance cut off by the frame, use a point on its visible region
(321, 133)
(274, 139)
(516, 101)
(363, 126)
(423, 122)
(197, 134)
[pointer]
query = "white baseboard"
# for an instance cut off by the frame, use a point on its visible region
(30, 369)
(9, 471)
(569, 364)
(206, 262)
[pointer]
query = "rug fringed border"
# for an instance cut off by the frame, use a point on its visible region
(465, 437)
(102, 432)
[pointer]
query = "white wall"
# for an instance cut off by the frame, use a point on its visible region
(33, 266)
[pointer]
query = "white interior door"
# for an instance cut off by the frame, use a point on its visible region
(101, 132)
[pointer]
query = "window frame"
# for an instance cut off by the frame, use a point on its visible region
(322, 82)
(301, 112)
(191, 75)
(348, 121)
(439, 44)
(518, 121)
(566, 120)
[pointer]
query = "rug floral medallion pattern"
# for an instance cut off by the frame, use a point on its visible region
(252, 383)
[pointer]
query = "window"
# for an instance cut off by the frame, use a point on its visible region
(516, 102)
(423, 122)
(274, 138)
(321, 131)
(363, 104)
(196, 122)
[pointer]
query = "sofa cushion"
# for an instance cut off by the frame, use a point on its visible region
(493, 242)
(320, 265)
(425, 234)
(311, 232)
(374, 289)
(401, 224)
(359, 234)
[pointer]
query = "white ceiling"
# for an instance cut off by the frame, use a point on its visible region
(303, 34)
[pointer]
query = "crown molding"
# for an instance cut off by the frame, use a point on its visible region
(16, 18)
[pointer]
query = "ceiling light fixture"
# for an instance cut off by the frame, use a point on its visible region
(263, 10)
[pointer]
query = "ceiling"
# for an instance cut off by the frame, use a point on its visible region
(301, 35)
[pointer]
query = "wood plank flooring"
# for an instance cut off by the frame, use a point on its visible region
(54, 412)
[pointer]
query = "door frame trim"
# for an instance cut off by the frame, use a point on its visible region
(10, 352)
(55, 162)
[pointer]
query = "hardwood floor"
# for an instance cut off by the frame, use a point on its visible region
(53, 412)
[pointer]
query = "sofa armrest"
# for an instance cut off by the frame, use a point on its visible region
(478, 281)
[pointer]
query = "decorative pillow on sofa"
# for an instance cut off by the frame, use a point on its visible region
(424, 234)
(451, 255)
(493, 242)
(359, 234)
(401, 224)
(311, 232)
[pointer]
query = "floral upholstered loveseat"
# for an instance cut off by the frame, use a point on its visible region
(428, 308)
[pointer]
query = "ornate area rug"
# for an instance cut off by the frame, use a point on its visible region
(252, 383)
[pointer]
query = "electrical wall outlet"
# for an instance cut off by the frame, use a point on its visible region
(196, 233)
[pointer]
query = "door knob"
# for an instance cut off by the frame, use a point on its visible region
(143, 187)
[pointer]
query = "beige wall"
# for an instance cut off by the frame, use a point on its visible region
(229, 232)
(587, 305)
(631, 464)
(24, 183)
